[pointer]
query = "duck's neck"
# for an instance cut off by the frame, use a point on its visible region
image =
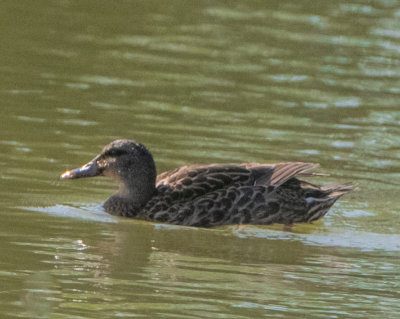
(131, 198)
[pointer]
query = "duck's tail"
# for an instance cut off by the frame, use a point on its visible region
(319, 206)
(336, 190)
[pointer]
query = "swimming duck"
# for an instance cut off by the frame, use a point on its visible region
(208, 195)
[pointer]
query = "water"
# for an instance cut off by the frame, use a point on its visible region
(198, 82)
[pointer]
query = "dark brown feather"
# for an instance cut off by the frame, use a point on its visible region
(247, 193)
(209, 195)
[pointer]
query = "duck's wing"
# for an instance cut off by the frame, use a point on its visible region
(194, 180)
(215, 176)
(285, 171)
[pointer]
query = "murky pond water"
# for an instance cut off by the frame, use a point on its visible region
(198, 82)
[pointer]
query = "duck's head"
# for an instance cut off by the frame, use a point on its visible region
(126, 161)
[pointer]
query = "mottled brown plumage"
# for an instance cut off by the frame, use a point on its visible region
(209, 195)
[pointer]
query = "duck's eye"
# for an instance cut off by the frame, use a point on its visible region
(115, 152)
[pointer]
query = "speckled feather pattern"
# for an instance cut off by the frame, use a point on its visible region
(208, 195)
(248, 193)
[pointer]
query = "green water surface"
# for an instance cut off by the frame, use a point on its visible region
(198, 82)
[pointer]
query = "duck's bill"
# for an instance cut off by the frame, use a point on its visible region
(88, 170)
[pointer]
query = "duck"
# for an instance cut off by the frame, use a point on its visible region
(208, 195)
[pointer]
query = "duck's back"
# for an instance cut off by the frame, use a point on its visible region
(248, 193)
